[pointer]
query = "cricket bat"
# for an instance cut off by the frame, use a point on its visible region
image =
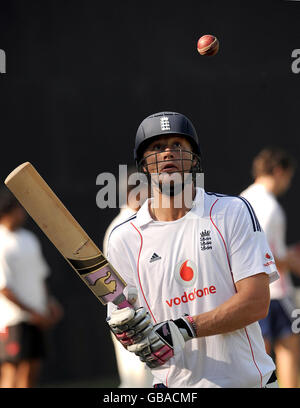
(67, 235)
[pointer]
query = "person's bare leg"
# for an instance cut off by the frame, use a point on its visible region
(287, 361)
(8, 375)
(35, 372)
(27, 373)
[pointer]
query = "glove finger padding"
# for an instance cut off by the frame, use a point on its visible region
(129, 325)
(120, 317)
(165, 339)
(160, 345)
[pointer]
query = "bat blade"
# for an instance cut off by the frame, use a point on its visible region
(66, 234)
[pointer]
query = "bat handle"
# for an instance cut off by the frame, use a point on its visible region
(122, 302)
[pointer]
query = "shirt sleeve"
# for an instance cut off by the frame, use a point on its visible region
(249, 251)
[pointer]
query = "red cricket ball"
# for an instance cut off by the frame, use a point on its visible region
(208, 45)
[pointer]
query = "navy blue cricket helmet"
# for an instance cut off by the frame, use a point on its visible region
(163, 123)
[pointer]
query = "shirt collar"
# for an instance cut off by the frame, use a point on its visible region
(143, 216)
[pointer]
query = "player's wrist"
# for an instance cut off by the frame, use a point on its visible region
(187, 327)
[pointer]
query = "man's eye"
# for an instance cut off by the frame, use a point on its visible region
(157, 147)
(177, 144)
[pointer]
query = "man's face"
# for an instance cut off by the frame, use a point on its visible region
(168, 154)
(169, 160)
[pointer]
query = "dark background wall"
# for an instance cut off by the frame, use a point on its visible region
(80, 78)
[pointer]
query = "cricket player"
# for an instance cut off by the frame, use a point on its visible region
(273, 169)
(202, 267)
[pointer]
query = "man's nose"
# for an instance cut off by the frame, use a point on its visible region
(168, 153)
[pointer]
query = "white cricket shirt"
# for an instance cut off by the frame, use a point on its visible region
(23, 270)
(273, 221)
(190, 266)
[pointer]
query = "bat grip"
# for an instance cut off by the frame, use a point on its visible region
(122, 302)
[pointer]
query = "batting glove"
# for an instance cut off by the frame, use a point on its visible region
(164, 340)
(129, 325)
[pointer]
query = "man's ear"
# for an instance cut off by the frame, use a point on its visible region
(194, 161)
(144, 168)
(278, 170)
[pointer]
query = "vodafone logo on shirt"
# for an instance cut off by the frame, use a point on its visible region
(191, 296)
(185, 275)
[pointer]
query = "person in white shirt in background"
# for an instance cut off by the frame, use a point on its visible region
(272, 170)
(26, 308)
(132, 372)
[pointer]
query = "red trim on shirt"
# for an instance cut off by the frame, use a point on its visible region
(138, 271)
(167, 378)
(253, 357)
(223, 243)
(260, 374)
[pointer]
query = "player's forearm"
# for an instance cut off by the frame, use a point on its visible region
(234, 314)
(9, 294)
(53, 315)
